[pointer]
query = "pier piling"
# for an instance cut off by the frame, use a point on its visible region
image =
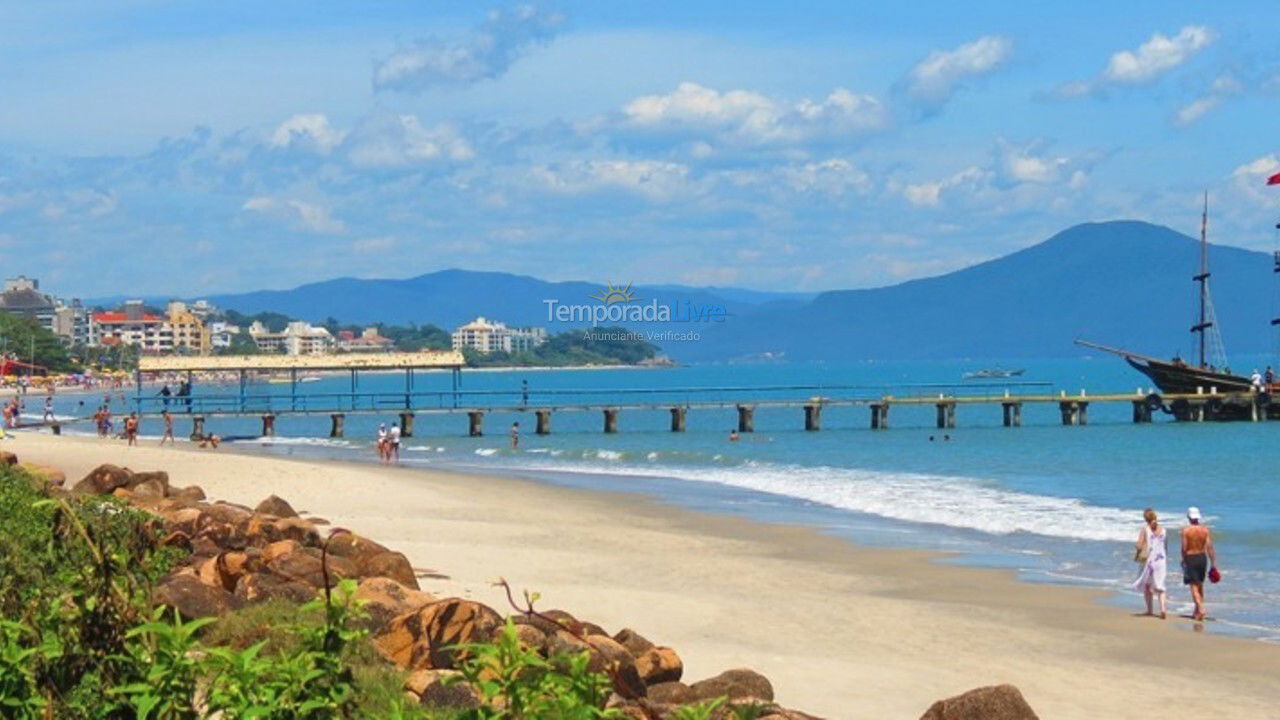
(406, 424)
(611, 420)
(879, 416)
(677, 419)
(946, 415)
(197, 427)
(1141, 412)
(475, 423)
(812, 417)
(337, 421)
(268, 425)
(544, 421)
(746, 418)
(1012, 413)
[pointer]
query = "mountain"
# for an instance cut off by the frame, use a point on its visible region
(1123, 283)
(452, 297)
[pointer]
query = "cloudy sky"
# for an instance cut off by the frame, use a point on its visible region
(191, 147)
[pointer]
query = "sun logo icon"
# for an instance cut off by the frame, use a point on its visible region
(615, 294)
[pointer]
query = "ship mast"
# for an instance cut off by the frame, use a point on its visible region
(1203, 279)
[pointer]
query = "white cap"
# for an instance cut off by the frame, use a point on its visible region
(1193, 513)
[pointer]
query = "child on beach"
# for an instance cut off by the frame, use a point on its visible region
(1152, 552)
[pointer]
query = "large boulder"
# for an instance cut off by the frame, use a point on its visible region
(194, 599)
(158, 477)
(187, 520)
(995, 702)
(388, 564)
(384, 599)
(736, 684)
(671, 693)
(660, 665)
(275, 505)
(280, 548)
(103, 480)
(442, 690)
(354, 547)
(8, 458)
(189, 494)
(609, 656)
(225, 569)
(634, 642)
(228, 513)
(307, 568)
(295, 528)
(148, 491)
(262, 586)
(426, 638)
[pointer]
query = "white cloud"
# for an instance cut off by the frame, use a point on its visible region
(1149, 62)
(1158, 55)
(388, 141)
(834, 177)
(489, 51)
(1024, 164)
(935, 80)
(1223, 87)
(929, 194)
(299, 214)
(373, 245)
(1251, 178)
(750, 118)
(311, 129)
(652, 179)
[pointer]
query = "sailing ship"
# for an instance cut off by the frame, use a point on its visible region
(1211, 372)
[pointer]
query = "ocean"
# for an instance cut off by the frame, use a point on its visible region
(1054, 504)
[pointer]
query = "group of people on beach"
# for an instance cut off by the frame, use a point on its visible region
(1199, 561)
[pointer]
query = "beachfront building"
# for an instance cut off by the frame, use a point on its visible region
(69, 321)
(132, 325)
(367, 341)
(187, 329)
(221, 334)
(487, 337)
(298, 338)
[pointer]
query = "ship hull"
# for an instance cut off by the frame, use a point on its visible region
(1176, 379)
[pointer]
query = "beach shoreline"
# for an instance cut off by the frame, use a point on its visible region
(842, 630)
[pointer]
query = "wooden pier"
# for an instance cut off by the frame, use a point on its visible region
(951, 402)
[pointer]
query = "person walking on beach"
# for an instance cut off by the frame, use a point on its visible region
(131, 429)
(168, 428)
(383, 455)
(393, 443)
(1198, 556)
(1152, 552)
(515, 436)
(48, 409)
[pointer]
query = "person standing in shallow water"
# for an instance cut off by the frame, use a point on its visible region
(1153, 553)
(1197, 556)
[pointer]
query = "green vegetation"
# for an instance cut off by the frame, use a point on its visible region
(274, 321)
(407, 338)
(597, 346)
(25, 340)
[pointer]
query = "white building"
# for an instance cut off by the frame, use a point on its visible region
(132, 326)
(221, 333)
(486, 337)
(298, 338)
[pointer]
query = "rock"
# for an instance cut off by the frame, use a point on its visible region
(531, 637)
(159, 477)
(295, 528)
(50, 475)
(552, 621)
(430, 689)
(736, 684)
(186, 520)
(225, 569)
(354, 547)
(388, 564)
(279, 548)
(148, 491)
(122, 493)
(224, 535)
(634, 642)
(275, 505)
(995, 702)
(8, 458)
(307, 568)
(228, 513)
(610, 656)
(660, 665)
(178, 540)
(262, 586)
(202, 546)
(190, 493)
(385, 599)
(103, 480)
(193, 598)
(671, 693)
(563, 642)
(425, 638)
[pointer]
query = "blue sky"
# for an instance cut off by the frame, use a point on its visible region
(190, 147)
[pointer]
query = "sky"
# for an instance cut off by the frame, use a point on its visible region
(189, 148)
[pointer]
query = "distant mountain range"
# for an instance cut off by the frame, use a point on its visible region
(1123, 283)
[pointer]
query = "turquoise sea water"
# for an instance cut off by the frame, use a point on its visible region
(1059, 504)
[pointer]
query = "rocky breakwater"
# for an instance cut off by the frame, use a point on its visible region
(240, 555)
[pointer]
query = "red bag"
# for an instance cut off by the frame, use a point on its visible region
(1214, 575)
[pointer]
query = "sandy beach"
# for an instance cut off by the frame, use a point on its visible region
(842, 631)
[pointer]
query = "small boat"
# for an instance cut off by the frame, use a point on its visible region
(286, 381)
(992, 373)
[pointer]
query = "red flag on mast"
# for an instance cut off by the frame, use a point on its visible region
(1274, 179)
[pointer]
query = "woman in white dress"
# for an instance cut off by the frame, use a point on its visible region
(1153, 554)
